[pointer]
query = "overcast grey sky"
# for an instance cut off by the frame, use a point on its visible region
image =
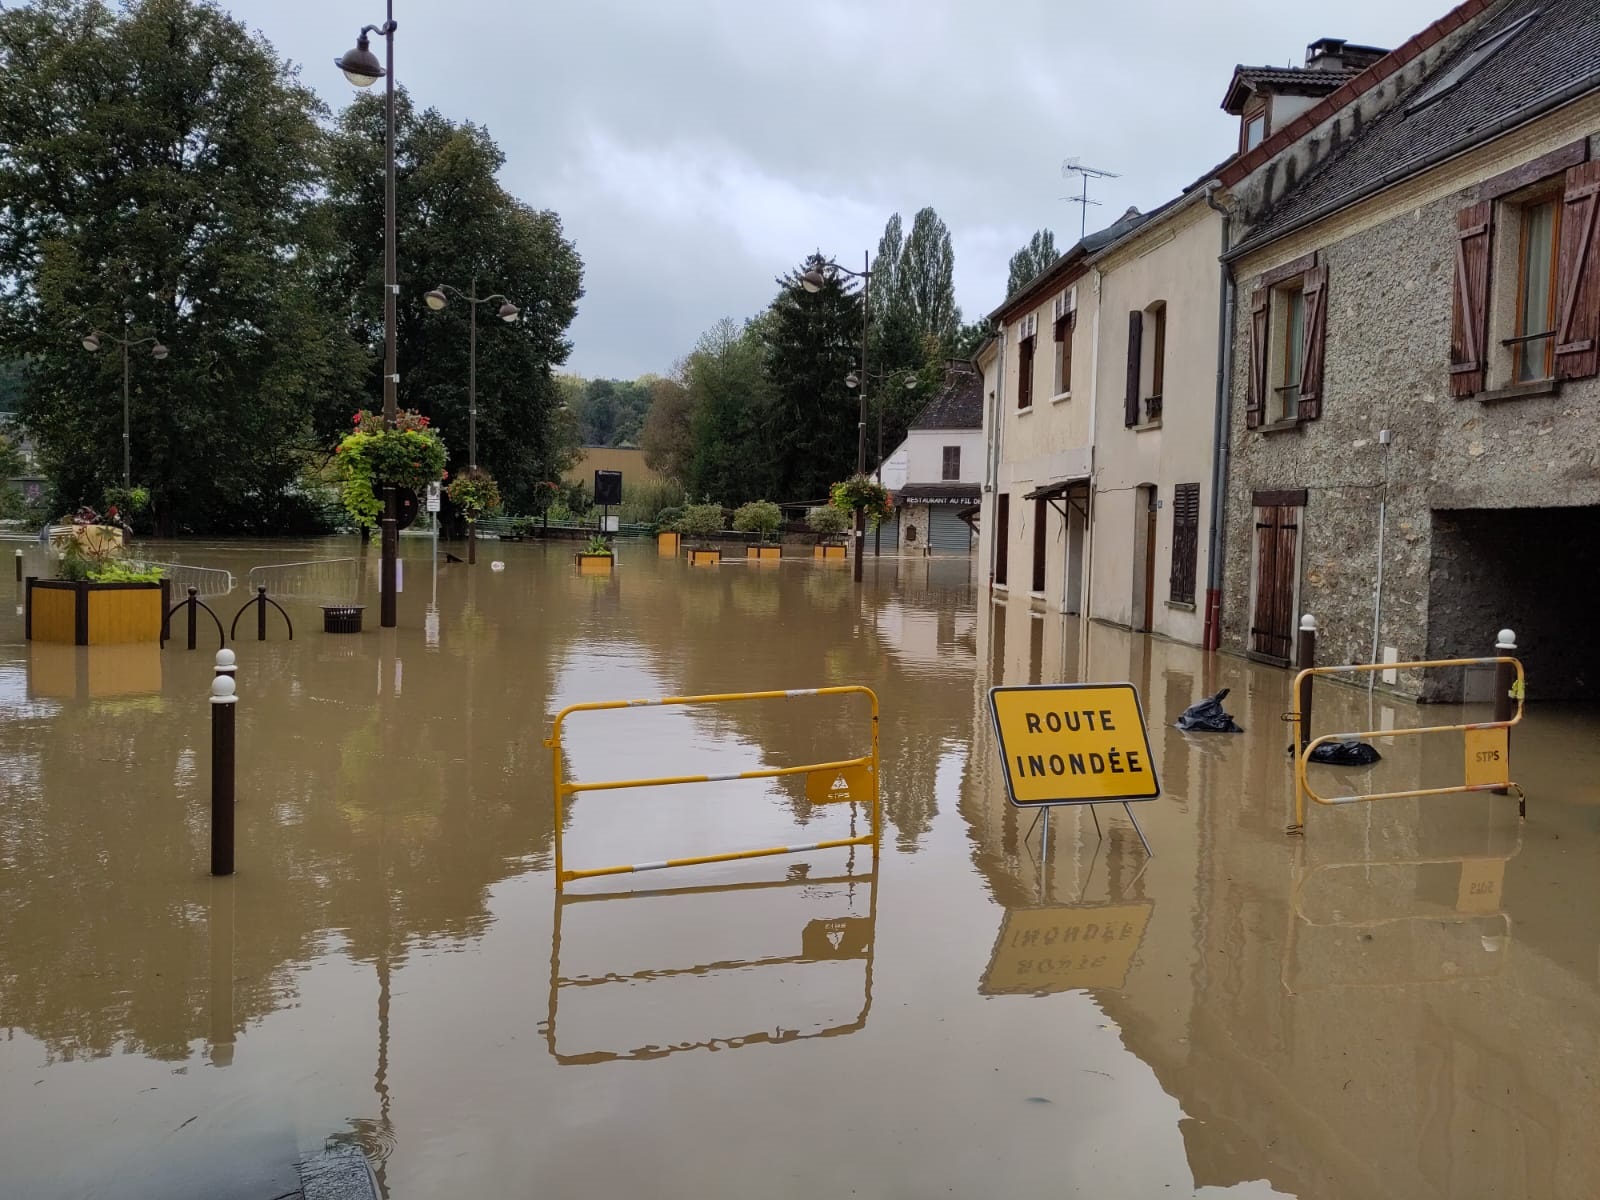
(697, 148)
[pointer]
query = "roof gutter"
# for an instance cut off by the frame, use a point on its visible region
(1170, 209)
(1478, 137)
(1221, 434)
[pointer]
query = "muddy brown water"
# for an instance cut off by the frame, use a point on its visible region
(1405, 1003)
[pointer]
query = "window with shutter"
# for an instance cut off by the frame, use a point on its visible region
(1314, 290)
(1469, 329)
(1577, 340)
(1256, 393)
(1130, 401)
(1025, 373)
(1065, 325)
(1185, 541)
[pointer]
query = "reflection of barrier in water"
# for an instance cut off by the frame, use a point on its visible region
(315, 581)
(836, 938)
(1487, 743)
(1376, 923)
(839, 781)
(1062, 947)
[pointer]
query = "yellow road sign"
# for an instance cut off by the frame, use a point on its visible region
(1073, 743)
(1062, 947)
(1488, 756)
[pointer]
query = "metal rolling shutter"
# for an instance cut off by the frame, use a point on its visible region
(948, 533)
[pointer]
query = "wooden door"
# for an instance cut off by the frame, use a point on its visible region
(1272, 622)
(1041, 542)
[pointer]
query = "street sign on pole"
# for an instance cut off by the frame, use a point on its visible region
(433, 497)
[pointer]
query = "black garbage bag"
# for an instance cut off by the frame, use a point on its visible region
(1208, 716)
(1345, 754)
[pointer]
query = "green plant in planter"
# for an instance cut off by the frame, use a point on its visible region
(411, 455)
(474, 492)
(122, 572)
(701, 521)
(861, 493)
(598, 545)
(827, 521)
(123, 504)
(761, 517)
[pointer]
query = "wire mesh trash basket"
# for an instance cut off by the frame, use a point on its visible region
(342, 618)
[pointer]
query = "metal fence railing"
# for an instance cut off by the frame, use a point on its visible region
(315, 580)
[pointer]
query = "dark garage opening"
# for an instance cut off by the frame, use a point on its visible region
(1532, 570)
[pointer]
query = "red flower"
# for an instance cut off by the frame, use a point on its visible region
(356, 420)
(446, 475)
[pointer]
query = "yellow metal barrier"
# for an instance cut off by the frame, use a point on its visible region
(847, 779)
(1488, 761)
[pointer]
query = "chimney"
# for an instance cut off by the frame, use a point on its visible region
(1333, 54)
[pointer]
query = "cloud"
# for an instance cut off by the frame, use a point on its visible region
(695, 149)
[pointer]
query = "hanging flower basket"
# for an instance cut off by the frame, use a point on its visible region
(862, 494)
(371, 457)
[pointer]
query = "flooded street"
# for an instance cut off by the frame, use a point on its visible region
(1403, 1003)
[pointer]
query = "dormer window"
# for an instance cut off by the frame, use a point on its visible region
(1255, 129)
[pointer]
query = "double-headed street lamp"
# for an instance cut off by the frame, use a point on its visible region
(507, 312)
(813, 279)
(361, 67)
(92, 343)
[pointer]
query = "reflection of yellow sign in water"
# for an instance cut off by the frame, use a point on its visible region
(1480, 889)
(835, 784)
(1073, 743)
(1061, 948)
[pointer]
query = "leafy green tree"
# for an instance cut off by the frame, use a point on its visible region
(455, 223)
(701, 521)
(827, 521)
(1028, 263)
(10, 386)
(811, 344)
(758, 516)
(730, 401)
(969, 337)
(927, 274)
(667, 437)
(159, 175)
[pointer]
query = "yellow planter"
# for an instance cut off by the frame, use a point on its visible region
(766, 553)
(705, 558)
(92, 614)
(667, 544)
(830, 553)
(595, 564)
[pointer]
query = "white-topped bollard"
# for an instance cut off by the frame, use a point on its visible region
(1505, 681)
(1305, 659)
(19, 566)
(224, 699)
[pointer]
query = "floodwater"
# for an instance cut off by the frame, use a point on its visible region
(1403, 1003)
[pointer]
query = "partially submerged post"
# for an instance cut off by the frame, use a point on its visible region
(223, 700)
(1505, 679)
(1305, 659)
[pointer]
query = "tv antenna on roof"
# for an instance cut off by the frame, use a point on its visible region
(1073, 166)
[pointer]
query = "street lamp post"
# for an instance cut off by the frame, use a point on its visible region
(812, 280)
(507, 312)
(158, 352)
(361, 67)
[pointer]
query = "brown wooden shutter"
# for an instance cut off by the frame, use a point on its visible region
(1578, 275)
(1315, 290)
(1185, 541)
(1061, 326)
(1469, 324)
(1130, 401)
(1256, 393)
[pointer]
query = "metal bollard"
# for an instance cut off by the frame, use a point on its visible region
(1305, 659)
(223, 702)
(19, 566)
(194, 594)
(261, 612)
(1505, 677)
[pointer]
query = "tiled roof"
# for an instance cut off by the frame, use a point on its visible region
(1555, 56)
(1310, 81)
(958, 404)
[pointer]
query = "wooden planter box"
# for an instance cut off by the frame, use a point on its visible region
(830, 553)
(92, 614)
(705, 558)
(766, 553)
(594, 564)
(668, 544)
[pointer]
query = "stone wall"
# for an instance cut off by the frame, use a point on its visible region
(1388, 332)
